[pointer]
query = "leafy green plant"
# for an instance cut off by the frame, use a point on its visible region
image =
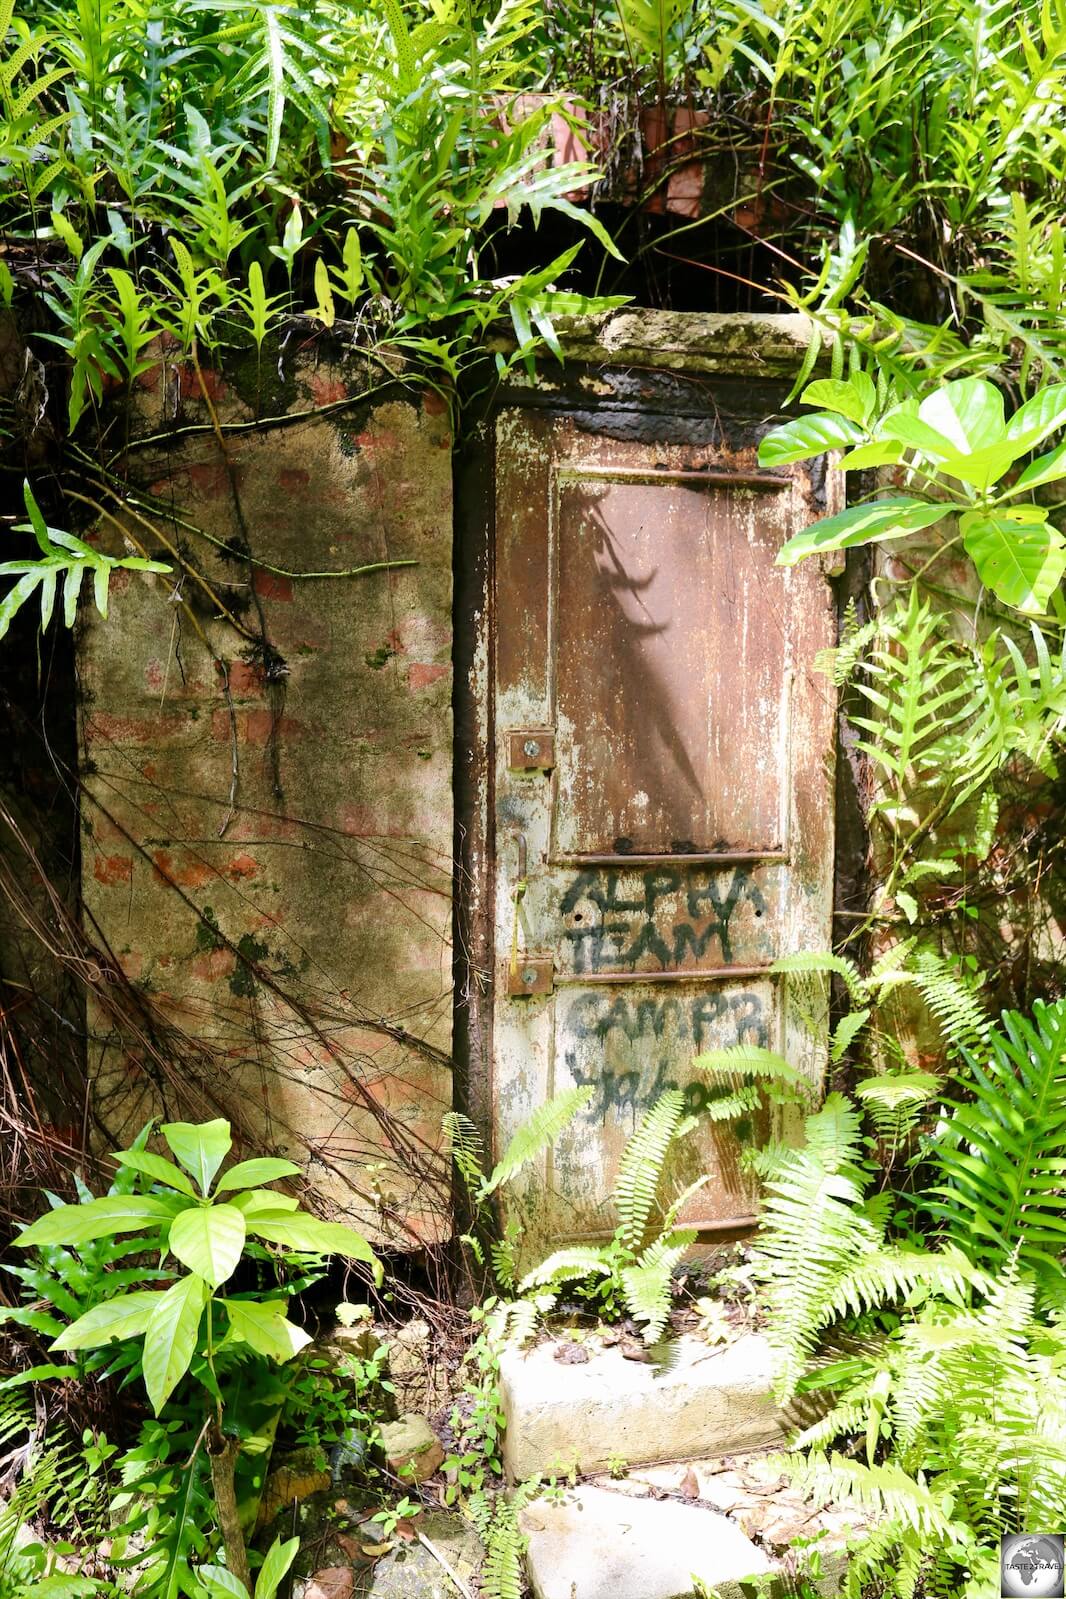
(530, 1140)
(938, 1352)
(201, 1219)
(999, 1151)
(956, 444)
(635, 1269)
(63, 559)
(223, 1584)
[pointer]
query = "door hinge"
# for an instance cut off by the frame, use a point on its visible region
(531, 749)
(531, 977)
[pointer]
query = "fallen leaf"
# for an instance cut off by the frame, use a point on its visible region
(690, 1484)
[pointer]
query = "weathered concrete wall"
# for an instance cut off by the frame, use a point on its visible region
(267, 816)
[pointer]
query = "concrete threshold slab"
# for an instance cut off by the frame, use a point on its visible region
(597, 1544)
(709, 1402)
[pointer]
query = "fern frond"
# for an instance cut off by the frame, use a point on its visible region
(1000, 1154)
(730, 1107)
(823, 961)
(813, 1230)
(646, 1285)
(565, 1266)
(535, 1134)
(886, 1490)
(952, 999)
(642, 1164)
(846, 1031)
(740, 1061)
(502, 1575)
(467, 1150)
(894, 1101)
(886, 1275)
(515, 1321)
(839, 664)
(834, 1133)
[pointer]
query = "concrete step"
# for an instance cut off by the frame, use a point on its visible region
(709, 1401)
(664, 1530)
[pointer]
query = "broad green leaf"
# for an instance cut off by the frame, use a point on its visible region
(1044, 414)
(38, 525)
(1047, 468)
(882, 452)
(71, 1225)
(170, 1338)
(209, 1240)
(856, 399)
(1021, 561)
(125, 1316)
(807, 436)
(980, 467)
(968, 412)
(325, 309)
(256, 1199)
(221, 1583)
(266, 1328)
(862, 524)
(307, 1232)
(156, 1167)
(279, 1557)
(200, 1146)
(249, 1173)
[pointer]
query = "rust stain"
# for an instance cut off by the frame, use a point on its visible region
(681, 836)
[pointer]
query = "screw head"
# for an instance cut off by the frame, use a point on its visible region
(531, 747)
(529, 977)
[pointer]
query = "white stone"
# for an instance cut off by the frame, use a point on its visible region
(602, 1545)
(710, 1402)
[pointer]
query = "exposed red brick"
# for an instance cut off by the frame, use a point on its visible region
(271, 586)
(189, 383)
(214, 964)
(326, 390)
(242, 866)
(245, 678)
(422, 673)
(210, 478)
(254, 726)
(131, 729)
(112, 869)
(194, 875)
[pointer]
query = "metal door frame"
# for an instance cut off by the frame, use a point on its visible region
(693, 372)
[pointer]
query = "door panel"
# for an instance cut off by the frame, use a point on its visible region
(662, 792)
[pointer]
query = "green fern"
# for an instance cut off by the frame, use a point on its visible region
(566, 1265)
(627, 1269)
(895, 1100)
(496, 1518)
(822, 962)
(1002, 1193)
(467, 1150)
(762, 1067)
(646, 1285)
(637, 1183)
(541, 1129)
(813, 1231)
(953, 999)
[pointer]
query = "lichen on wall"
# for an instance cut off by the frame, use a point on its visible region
(267, 814)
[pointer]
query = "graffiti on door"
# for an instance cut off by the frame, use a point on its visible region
(671, 916)
(628, 1049)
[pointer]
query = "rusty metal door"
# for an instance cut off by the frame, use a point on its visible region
(663, 789)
